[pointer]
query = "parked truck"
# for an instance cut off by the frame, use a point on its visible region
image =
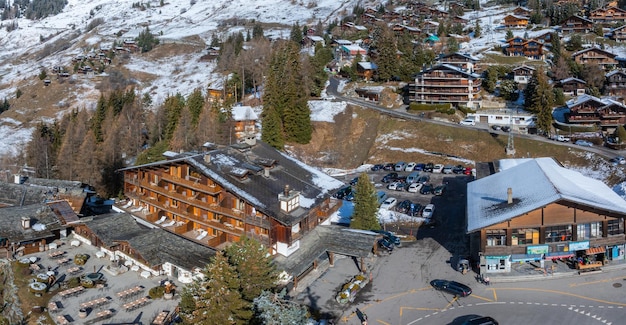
(561, 138)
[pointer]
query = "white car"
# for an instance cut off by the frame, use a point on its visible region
(415, 187)
(389, 203)
(468, 121)
(428, 211)
(438, 168)
(396, 186)
(410, 166)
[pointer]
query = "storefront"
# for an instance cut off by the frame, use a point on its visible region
(616, 252)
(495, 264)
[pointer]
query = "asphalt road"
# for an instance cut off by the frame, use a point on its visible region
(401, 113)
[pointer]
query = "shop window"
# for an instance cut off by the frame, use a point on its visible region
(558, 234)
(496, 237)
(589, 230)
(525, 236)
(615, 226)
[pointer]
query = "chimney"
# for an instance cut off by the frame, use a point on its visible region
(266, 172)
(509, 195)
(207, 158)
(26, 222)
(286, 190)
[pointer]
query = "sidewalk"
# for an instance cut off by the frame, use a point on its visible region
(532, 271)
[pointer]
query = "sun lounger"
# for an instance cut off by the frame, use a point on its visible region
(169, 224)
(203, 233)
(160, 221)
(136, 209)
(127, 205)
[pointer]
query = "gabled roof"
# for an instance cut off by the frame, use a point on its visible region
(535, 183)
(597, 49)
(572, 79)
(155, 245)
(244, 113)
(516, 17)
(614, 72)
(524, 67)
(577, 17)
(444, 66)
(579, 100)
(225, 164)
(43, 221)
(368, 65)
(464, 55)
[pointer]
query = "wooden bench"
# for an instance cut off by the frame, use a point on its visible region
(593, 266)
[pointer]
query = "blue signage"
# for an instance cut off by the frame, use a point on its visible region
(578, 245)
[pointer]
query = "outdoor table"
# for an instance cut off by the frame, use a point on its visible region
(35, 267)
(63, 261)
(56, 254)
(104, 313)
(73, 270)
(62, 320)
(52, 306)
(160, 319)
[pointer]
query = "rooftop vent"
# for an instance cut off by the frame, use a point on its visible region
(26, 222)
(207, 158)
(509, 195)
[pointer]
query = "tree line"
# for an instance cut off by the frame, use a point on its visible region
(31, 9)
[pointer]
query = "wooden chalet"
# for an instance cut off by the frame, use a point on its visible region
(522, 74)
(616, 83)
(576, 24)
(619, 34)
(608, 15)
(573, 86)
(595, 55)
(522, 12)
(518, 46)
(400, 29)
(514, 21)
(545, 37)
(312, 41)
(457, 7)
(245, 120)
(366, 70)
(369, 19)
(463, 61)
(534, 209)
(460, 20)
(429, 27)
(446, 83)
(603, 112)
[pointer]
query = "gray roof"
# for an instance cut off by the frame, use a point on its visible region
(241, 172)
(535, 183)
(322, 239)
(43, 221)
(37, 190)
(156, 245)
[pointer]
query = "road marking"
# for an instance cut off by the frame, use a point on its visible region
(416, 308)
(483, 298)
(380, 321)
(451, 302)
(593, 282)
(495, 296)
(567, 294)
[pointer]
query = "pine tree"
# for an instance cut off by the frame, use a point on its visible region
(620, 134)
(365, 205)
(274, 308)
(216, 298)
(296, 34)
(253, 266)
(173, 106)
(477, 29)
(98, 118)
(387, 59)
(509, 34)
(195, 104)
(542, 100)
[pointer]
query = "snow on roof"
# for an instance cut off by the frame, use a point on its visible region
(535, 183)
(368, 65)
(593, 48)
(244, 113)
(343, 42)
(572, 79)
(315, 38)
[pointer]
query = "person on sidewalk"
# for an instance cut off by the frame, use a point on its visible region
(486, 280)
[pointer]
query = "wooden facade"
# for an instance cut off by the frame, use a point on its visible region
(576, 24)
(446, 84)
(555, 225)
(616, 84)
(619, 34)
(609, 15)
(514, 21)
(522, 74)
(594, 55)
(573, 86)
(605, 113)
(518, 46)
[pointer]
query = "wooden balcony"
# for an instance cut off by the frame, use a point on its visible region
(584, 118)
(166, 192)
(195, 185)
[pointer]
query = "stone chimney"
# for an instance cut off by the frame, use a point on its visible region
(266, 172)
(286, 190)
(207, 158)
(26, 222)
(509, 195)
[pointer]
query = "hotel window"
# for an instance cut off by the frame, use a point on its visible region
(496, 237)
(525, 236)
(615, 227)
(558, 234)
(589, 230)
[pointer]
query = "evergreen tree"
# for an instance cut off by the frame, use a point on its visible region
(452, 45)
(173, 106)
(541, 100)
(257, 31)
(195, 104)
(98, 118)
(274, 308)
(575, 43)
(146, 41)
(387, 59)
(253, 266)
(555, 40)
(216, 299)
(620, 134)
(296, 34)
(509, 34)
(477, 29)
(4, 106)
(365, 205)
(272, 132)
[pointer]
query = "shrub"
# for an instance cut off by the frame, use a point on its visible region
(73, 282)
(81, 259)
(156, 292)
(18, 93)
(427, 107)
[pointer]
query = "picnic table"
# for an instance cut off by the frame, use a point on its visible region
(161, 318)
(53, 307)
(71, 291)
(136, 303)
(73, 270)
(104, 314)
(62, 320)
(129, 292)
(94, 303)
(56, 254)
(63, 261)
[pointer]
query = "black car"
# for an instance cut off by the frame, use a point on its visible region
(426, 189)
(354, 181)
(389, 236)
(485, 320)
(419, 167)
(506, 128)
(343, 192)
(423, 179)
(377, 167)
(404, 206)
(390, 178)
(458, 169)
(440, 190)
(386, 244)
(453, 287)
(429, 167)
(389, 166)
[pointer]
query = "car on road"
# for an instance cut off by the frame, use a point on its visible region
(506, 128)
(409, 167)
(389, 203)
(377, 167)
(423, 179)
(438, 168)
(561, 138)
(440, 190)
(583, 143)
(429, 167)
(428, 211)
(468, 121)
(426, 189)
(396, 186)
(484, 320)
(496, 127)
(389, 177)
(618, 160)
(343, 192)
(415, 187)
(386, 244)
(354, 181)
(453, 287)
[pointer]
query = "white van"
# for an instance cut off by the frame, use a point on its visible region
(412, 178)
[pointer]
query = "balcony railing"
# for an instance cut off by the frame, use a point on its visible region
(191, 184)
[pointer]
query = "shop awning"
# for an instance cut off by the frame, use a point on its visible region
(559, 255)
(595, 250)
(525, 257)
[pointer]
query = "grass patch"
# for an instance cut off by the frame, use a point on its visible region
(22, 277)
(504, 60)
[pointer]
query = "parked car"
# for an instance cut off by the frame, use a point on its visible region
(409, 167)
(388, 166)
(506, 128)
(453, 287)
(377, 167)
(468, 121)
(458, 169)
(468, 171)
(428, 211)
(583, 143)
(419, 167)
(561, 138)
(423, 179)
(496, 127)
(343, 192)
(429, 167)
(400, 166)
(415, 187)
(389, 203)
(438, 168)
(414, 209)
(386, 244)
(396, 186)
(354, 181)
(447, 169)
(440, 190)
(619, 160)
(404, 206)
(426, 189)
(389, 236)
(485, 320)
(389, 178)
(381, 196)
